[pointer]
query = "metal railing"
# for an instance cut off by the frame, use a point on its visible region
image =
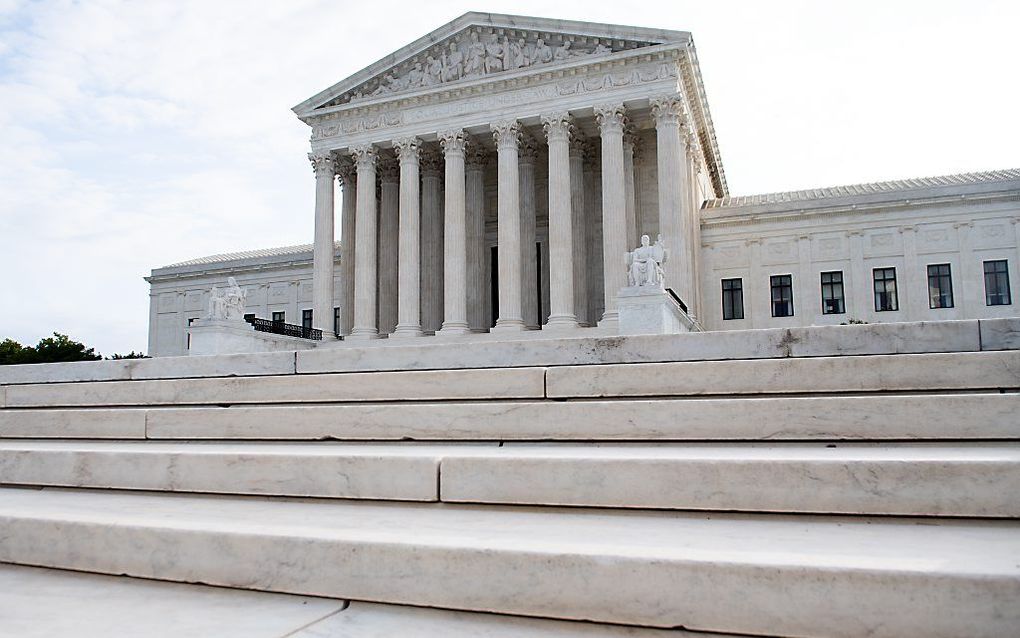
(288, 329)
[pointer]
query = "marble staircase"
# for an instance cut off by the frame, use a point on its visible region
(842, 481)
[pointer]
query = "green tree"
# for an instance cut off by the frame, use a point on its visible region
(11, 352)
(58, 348)
(130, 355)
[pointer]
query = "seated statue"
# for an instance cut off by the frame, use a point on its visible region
(644, 264)
(228, 303)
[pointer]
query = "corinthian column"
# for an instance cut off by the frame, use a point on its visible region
(408, 268)
(561, 236)
(629, 141)
(611, 121)
(365, 272)
(667, 112)
(578, 232)
(349, 182)
(389, 171)
(324, 166)
(527, 158)
(454, 236)
(475, 202)
(507, 135)
(431, 240)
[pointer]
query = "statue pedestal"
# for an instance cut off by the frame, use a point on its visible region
(650, 310)
(233, 336)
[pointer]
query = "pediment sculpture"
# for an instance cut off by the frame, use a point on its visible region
(228, 303)
(473, 54)
(644, 263)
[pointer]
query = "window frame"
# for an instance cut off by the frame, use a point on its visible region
(306, 318)
(733, 293)
(841, 299)
(773, 286)
(1003, 292)
(885, 288)
(283, 316)
(336, 320)
(945, 299)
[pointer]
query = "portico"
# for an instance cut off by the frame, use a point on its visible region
(496, 172)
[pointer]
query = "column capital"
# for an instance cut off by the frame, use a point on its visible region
(558, 126)
(455, 141)
(578, 144)
(611, 118)
(346, 171)
(506, 133)
(667, 109)
(323, 163)
(528, 150)
(389, 170)
(431, 162)
(407, 149)
(364, 155)
(476, 157)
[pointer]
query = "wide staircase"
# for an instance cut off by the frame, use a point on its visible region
(840, 481)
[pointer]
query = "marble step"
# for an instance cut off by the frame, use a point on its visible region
(761, 575)
(98, 606)
(898, 479)
(878, 373)
(984, 415)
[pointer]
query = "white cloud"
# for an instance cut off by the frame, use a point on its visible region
(135, 134)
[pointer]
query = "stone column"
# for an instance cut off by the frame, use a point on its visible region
(594, 282)
(409, 252)
(431, 240)
(667, 112)
(561, 235)
(528, 157)
(365, 273)
(477, 292)
(349, 182)
(507, 135)
(324, 166)
(454, 236)
(389, 171)
(611, 120)
(578, 233)
(629, 142)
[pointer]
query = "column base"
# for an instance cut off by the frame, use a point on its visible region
(561, 322)
(405, 332)
(508, 325)
(610, 320)
(362, 334)
(454, 328)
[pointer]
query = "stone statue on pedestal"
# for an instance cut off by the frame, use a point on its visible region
(228, 303)
(644, 263)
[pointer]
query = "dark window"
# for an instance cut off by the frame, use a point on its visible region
(940, 286)
(190, 321)
(885, 289)
(732, 299)
(997, 283)
(832, 293)
(279, 317)
(782, 295)
(336, 321)
(306, 319)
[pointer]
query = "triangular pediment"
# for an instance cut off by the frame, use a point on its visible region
(477, 46)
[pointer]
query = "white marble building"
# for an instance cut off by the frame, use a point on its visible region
(513, 162)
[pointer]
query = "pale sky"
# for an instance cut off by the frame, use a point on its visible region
(138, 134)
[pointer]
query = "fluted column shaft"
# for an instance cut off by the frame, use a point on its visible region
(611, 121)
(475, 204)
(454, 236)
(349, 181)
(365, 271)
(507, 136)
(528, 157)
(431, 240)
(578, 232)
(561, 234)
(629, 140)
(388, 241)
(667, 112)
(324, 166)
(408, 266)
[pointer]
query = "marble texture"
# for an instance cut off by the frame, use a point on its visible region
(73, 424)
(370, 386)
(220, 336)
(650, 310)
(1000, 334)
(42, 603)
(899, 479)
(840, 577)
(965, 370)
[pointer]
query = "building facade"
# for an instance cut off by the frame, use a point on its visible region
(511, 162)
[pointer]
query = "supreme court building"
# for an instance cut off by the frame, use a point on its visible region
(494, 173)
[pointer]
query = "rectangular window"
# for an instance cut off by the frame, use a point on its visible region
(336, 321)
(249, 317)
(190, 321)
(732, 299)
(997, 283)
(940, 286)
(306, 319)
(832, 293)
(782, 295)
(279, 317)
(885, 289)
